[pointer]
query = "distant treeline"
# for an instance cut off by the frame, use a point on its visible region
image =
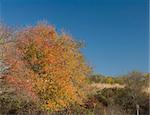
(122, 79)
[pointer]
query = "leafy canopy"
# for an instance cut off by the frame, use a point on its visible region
(48, 67)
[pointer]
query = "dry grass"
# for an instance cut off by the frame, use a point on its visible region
(101, 86)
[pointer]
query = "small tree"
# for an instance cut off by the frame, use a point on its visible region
(136, 82)
(48, 67)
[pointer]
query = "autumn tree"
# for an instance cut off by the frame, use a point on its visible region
(47, 67)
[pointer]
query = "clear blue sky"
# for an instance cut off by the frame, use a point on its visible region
(115, 31)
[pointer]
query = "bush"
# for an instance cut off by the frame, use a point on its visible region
(47, 68)
(125, 99)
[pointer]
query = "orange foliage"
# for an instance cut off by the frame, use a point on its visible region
(52, 64)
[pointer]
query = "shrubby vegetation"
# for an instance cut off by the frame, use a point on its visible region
(43, 72)
(114, 101)
(124, 100)
(98, 78)
(130, 79)
(45, 68)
